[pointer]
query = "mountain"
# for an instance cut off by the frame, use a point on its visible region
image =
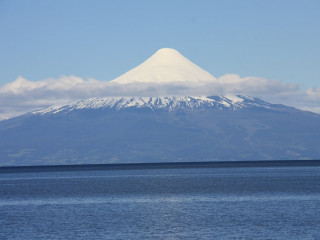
(160, 129)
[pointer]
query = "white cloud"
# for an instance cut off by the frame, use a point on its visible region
(314, 93)
(22, 95)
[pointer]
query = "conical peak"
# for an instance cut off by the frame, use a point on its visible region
(166, 56)
(167, 51)
(164, 66)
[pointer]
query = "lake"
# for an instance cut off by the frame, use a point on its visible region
(191, 203)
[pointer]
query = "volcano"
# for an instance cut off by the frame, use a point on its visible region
(145, 129)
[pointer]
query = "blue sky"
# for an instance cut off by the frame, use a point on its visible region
(103, 39)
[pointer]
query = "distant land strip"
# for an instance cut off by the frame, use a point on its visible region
(166, 165)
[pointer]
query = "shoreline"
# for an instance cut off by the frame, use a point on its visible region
(165, 165)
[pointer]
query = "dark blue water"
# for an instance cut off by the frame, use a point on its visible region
(216, 203)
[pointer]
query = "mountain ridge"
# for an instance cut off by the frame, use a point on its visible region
(168, 103)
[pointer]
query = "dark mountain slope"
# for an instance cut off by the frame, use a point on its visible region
(105, 134)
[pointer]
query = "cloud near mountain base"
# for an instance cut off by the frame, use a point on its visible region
(22, 95)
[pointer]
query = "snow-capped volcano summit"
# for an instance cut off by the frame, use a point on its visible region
(137, 129)
(166, 65)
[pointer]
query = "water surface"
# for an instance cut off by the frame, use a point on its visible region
(207, 203)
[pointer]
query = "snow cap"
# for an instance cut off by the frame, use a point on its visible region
(165, 66)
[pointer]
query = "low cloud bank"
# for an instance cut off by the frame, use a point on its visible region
(22, 96)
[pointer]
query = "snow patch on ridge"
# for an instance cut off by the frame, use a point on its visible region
(235, 99)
